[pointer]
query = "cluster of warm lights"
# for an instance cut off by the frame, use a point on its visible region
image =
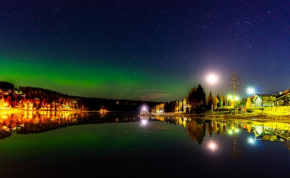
(28, 105)
(233, 130)
(103, 111)
(232, 98)
(4, 104)
(160, 112)
(19, 119)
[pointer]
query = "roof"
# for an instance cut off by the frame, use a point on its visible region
(283, 95)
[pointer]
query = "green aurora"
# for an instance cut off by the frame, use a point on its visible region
(107, 81)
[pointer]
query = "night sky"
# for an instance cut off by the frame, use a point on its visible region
(145, 50)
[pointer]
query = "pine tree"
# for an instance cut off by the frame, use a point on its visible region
(215, 102)
(209, 100)
(220, 104)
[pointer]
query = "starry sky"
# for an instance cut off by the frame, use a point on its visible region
(144, 50)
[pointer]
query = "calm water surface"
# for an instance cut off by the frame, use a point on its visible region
(119, 144)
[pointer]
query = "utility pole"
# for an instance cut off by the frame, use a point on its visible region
(236, 80)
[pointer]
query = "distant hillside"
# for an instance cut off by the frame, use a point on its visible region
(6, 86)
(44, 99)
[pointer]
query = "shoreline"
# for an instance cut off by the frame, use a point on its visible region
(229, 116)
(193, 115)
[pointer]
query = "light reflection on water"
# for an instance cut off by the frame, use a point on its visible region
(121, 140)
(37, 122)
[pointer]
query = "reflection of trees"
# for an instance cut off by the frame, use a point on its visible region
(209, 129)
(249, 127)
(287, 145)
(160, 118)
(215, 126)
(34, 122)
(49, 125)
(4, 134)
(196, 131)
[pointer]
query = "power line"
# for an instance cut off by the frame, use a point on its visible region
(236, 80)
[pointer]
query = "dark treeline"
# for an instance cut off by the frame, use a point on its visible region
(115, 105)
(85, 103)
(44, 99)
(6, 85)
(4, 134)
(195, 102)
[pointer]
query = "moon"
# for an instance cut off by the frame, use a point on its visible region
(212, 79)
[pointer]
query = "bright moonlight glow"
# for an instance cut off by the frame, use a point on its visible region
(212, 79)
(212, 146)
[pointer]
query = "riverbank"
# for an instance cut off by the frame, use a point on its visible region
(12, 111)
(231, 115)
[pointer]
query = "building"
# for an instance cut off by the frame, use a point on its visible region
(263, 100)
(256, 101)
(269, 100)
(283, 99)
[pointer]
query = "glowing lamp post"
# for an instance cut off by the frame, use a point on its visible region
(251, 91)
(230, 97)
(251, 141)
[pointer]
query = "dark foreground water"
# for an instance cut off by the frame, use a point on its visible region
(122, 145)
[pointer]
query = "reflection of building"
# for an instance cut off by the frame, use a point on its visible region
(266, 132)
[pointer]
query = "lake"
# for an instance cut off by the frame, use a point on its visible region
(52, 144)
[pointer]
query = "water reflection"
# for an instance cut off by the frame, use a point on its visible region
(212, 146)
(144, 120)
(36, 122)
(29, 122)
(129, 144)
(258, 130)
